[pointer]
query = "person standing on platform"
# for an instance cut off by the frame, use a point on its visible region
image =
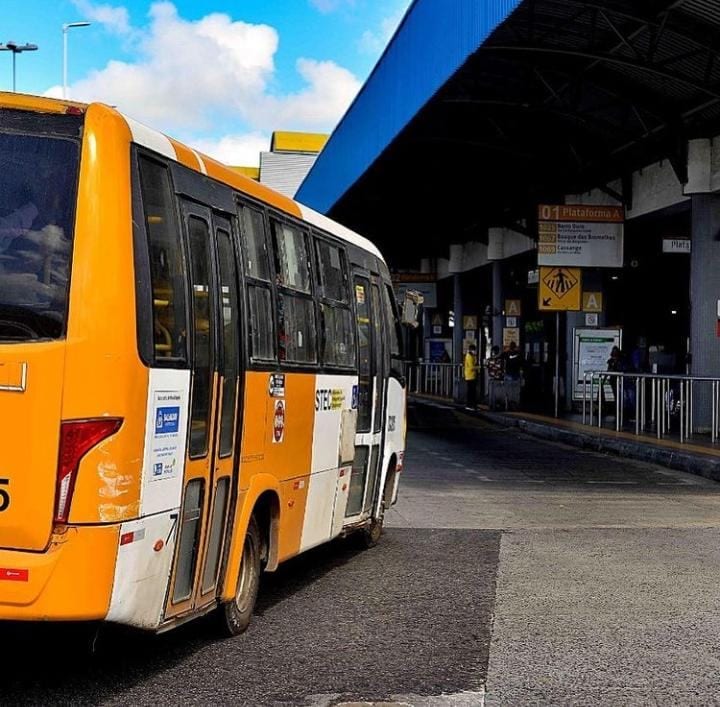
(470, 369)
(496, 376)
(513, 376)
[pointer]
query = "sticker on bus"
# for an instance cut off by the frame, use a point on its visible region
(276, 387)
(279, 422)
(167, 420)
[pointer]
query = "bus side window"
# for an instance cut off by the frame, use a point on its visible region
(393, 330)
(338, 329)
(297, 336)
(259, 292)
(167, 267)
(203, 353)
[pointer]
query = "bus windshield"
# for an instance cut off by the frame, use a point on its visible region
(38, 186)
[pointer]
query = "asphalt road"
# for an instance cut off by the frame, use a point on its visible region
(512, 571)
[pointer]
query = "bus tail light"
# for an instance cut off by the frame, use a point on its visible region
(77, 438)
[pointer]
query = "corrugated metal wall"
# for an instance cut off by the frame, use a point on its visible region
(434, 40)
(284, 171)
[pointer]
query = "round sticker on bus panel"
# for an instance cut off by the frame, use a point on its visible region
(279, 422)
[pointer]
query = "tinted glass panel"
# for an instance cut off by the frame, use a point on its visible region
(203, 335)
(393, 321)
(378, 353)
(372, 479)
(215, 543)
(167, 267)
(262, 335)
(296, 334)
(230, 337)
(254, 243)
(332, 272)
(339, 336)
(189, 540)
(357, 482)
(38, 188)
(292, 257)
(362, 307)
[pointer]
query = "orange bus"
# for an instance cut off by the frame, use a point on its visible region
(199, 377)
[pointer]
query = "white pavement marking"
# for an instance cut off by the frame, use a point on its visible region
(459, 699)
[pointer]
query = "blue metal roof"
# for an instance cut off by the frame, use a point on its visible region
(434, 39)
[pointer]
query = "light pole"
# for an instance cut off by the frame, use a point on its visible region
(66, 28)
(16, 49)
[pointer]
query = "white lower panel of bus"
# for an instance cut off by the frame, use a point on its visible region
(325, 507)
(142, 570)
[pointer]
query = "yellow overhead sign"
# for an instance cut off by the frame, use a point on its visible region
(560, 289)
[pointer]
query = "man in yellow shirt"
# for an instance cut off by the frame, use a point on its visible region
(470, 369)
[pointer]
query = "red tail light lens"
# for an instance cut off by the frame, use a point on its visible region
(77, 438)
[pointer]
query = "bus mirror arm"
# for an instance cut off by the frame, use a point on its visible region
(398, 376)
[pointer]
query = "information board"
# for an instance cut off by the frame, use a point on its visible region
(580, 236)
(591, 351)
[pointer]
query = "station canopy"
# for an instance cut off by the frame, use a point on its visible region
(478, 110)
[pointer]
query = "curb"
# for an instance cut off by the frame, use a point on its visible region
(693, 463)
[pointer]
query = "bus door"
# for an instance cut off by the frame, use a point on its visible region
(382, 369)
(370, 396)
(209, 465)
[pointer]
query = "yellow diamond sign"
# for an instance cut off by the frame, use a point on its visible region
(560, 289)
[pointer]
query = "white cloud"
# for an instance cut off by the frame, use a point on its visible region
(237, 150)
(374, 42)
(192, 76)
(329, 92)
(115, 19)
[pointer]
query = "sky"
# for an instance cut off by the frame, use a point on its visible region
(220, 75)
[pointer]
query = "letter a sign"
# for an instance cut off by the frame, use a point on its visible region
(593, 302)
(513, 308)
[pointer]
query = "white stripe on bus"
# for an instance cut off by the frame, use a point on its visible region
(150, 138)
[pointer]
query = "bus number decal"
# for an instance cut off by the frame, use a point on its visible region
(4, 495)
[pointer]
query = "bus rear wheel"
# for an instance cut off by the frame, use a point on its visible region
(235, 615)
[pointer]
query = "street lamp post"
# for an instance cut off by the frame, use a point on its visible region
(66, 28)
(16, 49)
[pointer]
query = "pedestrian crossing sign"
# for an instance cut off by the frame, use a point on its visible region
(560, 289)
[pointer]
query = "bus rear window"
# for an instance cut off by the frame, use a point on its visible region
(38, 188)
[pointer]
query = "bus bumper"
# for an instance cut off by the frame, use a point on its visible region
(70, 581)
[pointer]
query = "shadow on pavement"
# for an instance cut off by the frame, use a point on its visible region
(83, 664)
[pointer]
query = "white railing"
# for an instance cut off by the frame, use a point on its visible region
(661, 403)
(438, 379)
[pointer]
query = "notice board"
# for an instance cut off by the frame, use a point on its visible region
(591, 351)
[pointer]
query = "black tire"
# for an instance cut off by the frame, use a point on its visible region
(236, 614)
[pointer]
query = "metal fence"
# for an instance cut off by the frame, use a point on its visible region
(438, 379)
(659, 404)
